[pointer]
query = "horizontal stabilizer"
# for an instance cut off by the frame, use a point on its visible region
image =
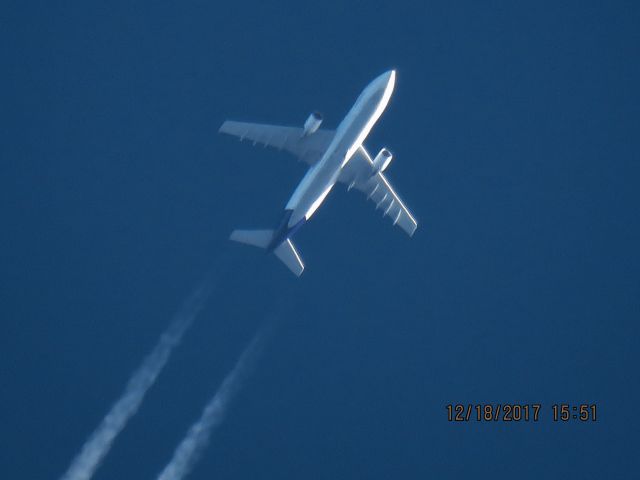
(257, 238)
(287, 253)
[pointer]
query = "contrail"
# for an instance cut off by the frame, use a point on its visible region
(99, 443)
(189, 450)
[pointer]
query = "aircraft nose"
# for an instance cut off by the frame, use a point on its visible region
(382, 83)
(386, 78)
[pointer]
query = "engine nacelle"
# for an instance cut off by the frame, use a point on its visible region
(312, 124)
(382, 161)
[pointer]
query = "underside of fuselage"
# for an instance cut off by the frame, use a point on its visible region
(284, 231)
(320, 178)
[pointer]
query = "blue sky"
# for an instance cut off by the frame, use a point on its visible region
(514, 132)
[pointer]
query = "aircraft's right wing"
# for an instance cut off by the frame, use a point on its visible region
(358, 173)
(308, 148)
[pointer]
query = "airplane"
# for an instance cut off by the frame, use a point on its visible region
(333, 156)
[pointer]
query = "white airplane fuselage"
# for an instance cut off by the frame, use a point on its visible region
(321, 177)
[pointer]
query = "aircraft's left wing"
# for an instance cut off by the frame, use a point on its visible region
(307, 149)
(357, 174)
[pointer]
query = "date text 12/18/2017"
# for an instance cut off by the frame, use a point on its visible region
(525, 412)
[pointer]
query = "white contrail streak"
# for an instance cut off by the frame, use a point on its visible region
(99, 443)
(189, 450)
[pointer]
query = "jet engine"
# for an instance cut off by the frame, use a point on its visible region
(382, 161)
(312, 124)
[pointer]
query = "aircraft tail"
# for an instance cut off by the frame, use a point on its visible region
(286, 252)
